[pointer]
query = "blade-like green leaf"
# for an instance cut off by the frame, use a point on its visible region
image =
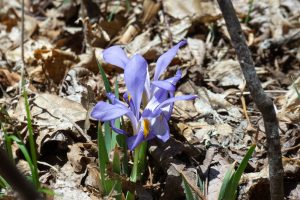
(107, 136)
(31, 140)
(240, 170)
(104, 77)
(187, 190)
(7, 143)
(3, 183)
(117, 122)
(26, 156)
(117, 169)
(130, 196)
(229, 191)
(102, 157)
(226, 182)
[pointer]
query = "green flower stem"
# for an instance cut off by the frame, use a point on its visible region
(138, 162)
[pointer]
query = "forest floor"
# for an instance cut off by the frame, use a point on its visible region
(64, 40)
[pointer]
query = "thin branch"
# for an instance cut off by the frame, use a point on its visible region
(16, 180)
(263, 102)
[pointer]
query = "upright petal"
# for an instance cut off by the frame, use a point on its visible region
(165, 59)
(135, 76)
(160, 128)
(115, 55)
(159, 96)
(148, 86)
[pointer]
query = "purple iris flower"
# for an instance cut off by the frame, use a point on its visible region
(156, 97)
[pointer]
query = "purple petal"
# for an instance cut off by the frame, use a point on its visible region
(117, 130)
(178, 98)
(115, 55)
(164, 85)
(160, 128)
(160, 108)
(137, 139)
(114, 100)
(165, 59)
(159, 96)
(147, 86)
(135, 76)
(119, 103)
(104, 111)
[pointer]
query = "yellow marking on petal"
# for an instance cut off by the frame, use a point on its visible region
(146, 125)
(129, 97)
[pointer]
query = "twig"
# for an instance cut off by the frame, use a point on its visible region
(16, 180)
(189, 182)
(263, 102)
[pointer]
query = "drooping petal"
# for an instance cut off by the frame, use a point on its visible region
(165, 59)
(117, 130)
(135, 76)
(119, 103)
(160, 128)
(164, 85)
(114, 100)
(115, 55)
(135, 140)
(104, 111)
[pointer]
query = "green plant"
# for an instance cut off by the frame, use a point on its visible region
(230, 183)
(231, 180)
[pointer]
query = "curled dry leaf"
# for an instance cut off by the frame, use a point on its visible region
(227, 73)
(8, 78)
(55, 62)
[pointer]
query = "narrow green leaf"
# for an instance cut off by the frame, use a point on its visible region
(31, 140)
(47, 191)
(239, 172)
(104, 77)
(187, 190)
(117, 169)
(116, 161)
(27, 157)
(102, 157)
(226, 182)
(130, 196)
(3, 183)
(138, 162)
(7, 144)
(123, 145)
(117, 122)
(107, 135)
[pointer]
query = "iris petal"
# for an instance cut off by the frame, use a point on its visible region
(115, 101)
(160, 128)
(135, 140)
(104, 111)
(135, 76)
(117, 130)
(115, 55)
(165, 59)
